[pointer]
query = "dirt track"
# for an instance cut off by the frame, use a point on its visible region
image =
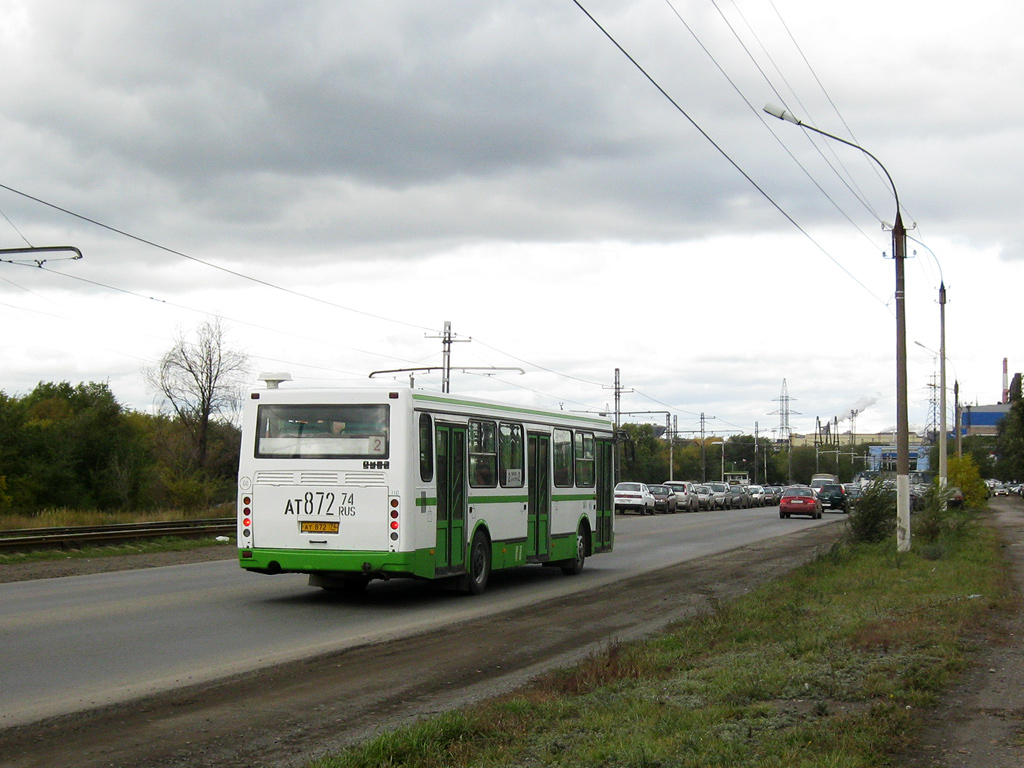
(291, 714)
(980, 723)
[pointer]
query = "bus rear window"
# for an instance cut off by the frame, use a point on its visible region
(322, 431)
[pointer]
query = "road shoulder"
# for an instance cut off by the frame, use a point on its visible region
(980, 721)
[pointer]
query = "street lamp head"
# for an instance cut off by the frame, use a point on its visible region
(782, 114)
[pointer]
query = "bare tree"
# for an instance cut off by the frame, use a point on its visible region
(201, 378)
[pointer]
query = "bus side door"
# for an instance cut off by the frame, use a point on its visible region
(451, 499)
(538, 520)
(604, 534)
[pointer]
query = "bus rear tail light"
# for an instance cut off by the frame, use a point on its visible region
(246, 517)
(393, 503)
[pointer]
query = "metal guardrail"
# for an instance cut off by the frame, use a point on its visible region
(74, 537)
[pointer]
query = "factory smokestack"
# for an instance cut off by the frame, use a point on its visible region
(1006, 384)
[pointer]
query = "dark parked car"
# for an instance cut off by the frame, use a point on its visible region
(738, 498)
(956, 497)
(800, 501)
(664, 498)
(833, 496)
(853, 492)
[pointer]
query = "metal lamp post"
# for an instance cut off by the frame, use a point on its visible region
(899, 249)
(943, 462)
(721, 443)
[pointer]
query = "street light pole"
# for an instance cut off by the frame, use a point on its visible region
(721, 443)
(943, 463)
(943, 459)
(899, 252)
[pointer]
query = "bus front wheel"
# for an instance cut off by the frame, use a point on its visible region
(575, 566)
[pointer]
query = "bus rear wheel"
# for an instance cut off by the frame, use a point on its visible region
(479, 564)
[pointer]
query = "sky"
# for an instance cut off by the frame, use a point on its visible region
(575, 187)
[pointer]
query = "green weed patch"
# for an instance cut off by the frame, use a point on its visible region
(829, 666)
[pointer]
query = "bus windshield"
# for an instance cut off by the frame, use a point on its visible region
(322, 432)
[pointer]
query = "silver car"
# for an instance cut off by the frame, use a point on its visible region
(720, 492)
(757, 495)
(705, 497)
(686, 495)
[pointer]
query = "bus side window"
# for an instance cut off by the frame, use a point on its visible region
(562, 449)
(510, 455)
(483, 454)
(585, 459)
(426, 448)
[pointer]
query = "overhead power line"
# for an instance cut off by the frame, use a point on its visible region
(722, 151)
(210, 264)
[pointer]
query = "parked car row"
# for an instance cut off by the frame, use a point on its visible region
(685, 496)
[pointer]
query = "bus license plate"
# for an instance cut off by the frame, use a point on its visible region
(311, 526)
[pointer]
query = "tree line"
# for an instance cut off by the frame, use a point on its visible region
(75, 446)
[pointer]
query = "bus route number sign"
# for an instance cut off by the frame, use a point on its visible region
(321, 504)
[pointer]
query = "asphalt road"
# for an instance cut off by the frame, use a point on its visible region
(77, 643)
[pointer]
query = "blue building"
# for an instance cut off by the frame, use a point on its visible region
(982, 419)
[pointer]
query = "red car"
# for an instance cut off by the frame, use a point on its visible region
(800, 501)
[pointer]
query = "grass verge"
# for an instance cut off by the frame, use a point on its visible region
(148, 546)
(830, 666)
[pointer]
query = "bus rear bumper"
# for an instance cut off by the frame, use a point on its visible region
(369, 564)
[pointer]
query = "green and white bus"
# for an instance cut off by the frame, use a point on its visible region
(350, 485)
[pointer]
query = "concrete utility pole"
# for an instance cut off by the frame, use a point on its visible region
(617, 386)
(447, 338)
(899, 252)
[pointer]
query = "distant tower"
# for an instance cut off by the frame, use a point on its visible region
(784, 413)
(933, 410)
(1006, 383)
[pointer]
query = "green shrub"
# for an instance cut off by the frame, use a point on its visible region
(873, 518)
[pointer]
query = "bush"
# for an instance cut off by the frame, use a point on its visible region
(873, 518)
(964, 473)
(938, 526)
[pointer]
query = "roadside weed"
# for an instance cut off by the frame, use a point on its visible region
(827, 666)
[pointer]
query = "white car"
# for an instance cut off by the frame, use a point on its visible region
(757, 495)
(634, 497)
(686, 495)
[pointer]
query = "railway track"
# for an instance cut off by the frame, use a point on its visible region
(75, 537)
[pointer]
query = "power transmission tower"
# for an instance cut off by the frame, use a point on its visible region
(785, 434)
(784, 412)
(933, 410)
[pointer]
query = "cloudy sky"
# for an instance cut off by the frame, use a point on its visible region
(576, 187)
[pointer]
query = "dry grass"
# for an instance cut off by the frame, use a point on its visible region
(63, 517)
